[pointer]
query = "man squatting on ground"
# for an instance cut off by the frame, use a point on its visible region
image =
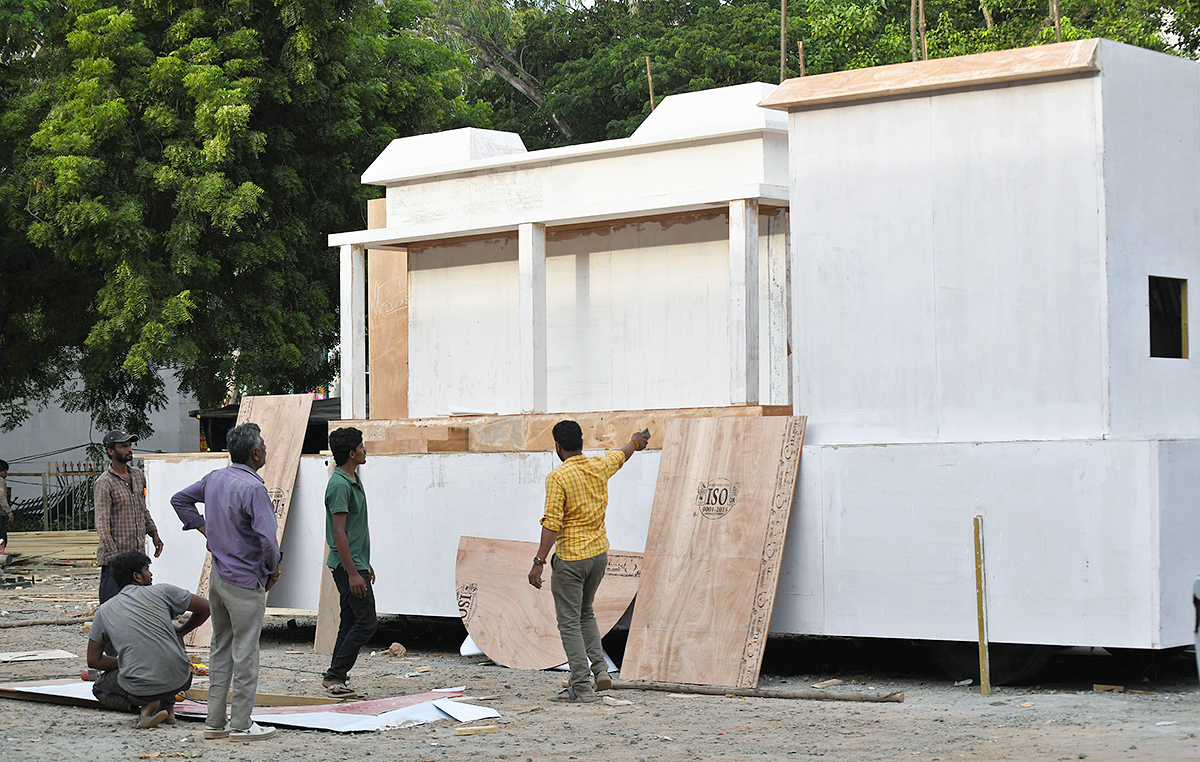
(349, 538)
(151, 664)
(122, 521)
(240, 526)
(576, 499)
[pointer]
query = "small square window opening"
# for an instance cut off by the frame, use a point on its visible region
(1168, 317)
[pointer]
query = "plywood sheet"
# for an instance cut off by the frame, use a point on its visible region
(531, 432)
(979, 70)
(513, 622)
(713, 550)
(283, 419)
(387, 323)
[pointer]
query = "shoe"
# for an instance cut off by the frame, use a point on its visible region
(255, 732)
(573, 695)
(212, 733)
(603, 681)
(340, 690)
(151, 721)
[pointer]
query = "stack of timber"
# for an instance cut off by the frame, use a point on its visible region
(531, 432)
(56, 546)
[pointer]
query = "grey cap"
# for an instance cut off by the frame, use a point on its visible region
(117, 436)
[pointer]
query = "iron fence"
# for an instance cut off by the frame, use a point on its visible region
(66, 503)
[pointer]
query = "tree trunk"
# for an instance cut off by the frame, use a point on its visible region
(912, 27)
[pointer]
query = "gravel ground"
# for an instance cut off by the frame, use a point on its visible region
(1059, 718)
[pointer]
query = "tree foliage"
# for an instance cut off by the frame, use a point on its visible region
(171, 169)
(588, 60)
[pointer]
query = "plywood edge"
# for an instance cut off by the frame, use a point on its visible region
(530, 432)
(920, 77)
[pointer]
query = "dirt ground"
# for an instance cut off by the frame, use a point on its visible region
(1059, 718)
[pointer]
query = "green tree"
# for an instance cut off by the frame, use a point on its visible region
(175, 170)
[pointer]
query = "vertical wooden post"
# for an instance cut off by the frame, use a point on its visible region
(45, 499)
(531, 256)
(800, 50)
(912, 27)
(650, 82)
(985, 672)
(1057, 23)
(387, 323)
(782, 40)
(354, 332)
(924, 47)
(743, 302)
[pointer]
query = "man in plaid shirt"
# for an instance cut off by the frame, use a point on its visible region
(576, 499)
(122, 521)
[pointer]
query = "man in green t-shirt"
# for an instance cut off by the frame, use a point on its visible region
(349, 537)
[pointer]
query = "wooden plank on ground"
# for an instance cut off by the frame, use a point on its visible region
(513, 622)
(713, 550)
(387, 322)
(283, 419)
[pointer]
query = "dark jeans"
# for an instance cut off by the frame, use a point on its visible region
(3, 529)
(109, 693)
(358, 624)
(108, 589)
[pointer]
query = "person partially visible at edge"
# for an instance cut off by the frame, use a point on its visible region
(576, 500)
(152, 665)
(349, 538)
(6, 511)
(240, 526)
(122, 521)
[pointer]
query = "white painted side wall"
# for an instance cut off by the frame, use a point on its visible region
(879, 543)
(418, 505)
(947, 277)
(1152, 182)
(637, 318)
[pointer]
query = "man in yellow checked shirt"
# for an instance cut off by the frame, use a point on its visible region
(576, 498)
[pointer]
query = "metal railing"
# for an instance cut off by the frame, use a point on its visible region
(67, 502)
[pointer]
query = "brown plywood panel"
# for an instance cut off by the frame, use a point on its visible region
(713, 550)
(283, 419)
(1001, 67)
(513, 622)
(387, 323)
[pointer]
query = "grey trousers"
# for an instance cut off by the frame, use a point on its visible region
(237, 617)
(574, 586)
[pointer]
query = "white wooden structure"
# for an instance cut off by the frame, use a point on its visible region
(964, 302)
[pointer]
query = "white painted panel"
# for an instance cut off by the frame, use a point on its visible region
(419, 505)
(1179, 538)
(636, 319)
(1152, 181)
(1069, 541)
(463, 328)
(774, 311)
(1016, 226)
(864, 354)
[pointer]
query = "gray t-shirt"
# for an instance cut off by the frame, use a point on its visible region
(138, 622)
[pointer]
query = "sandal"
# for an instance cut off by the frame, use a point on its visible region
(572, 695)
(340, 690)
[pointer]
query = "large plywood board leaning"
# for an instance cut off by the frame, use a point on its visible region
(513, 622)
(283, 419)
(713, 550)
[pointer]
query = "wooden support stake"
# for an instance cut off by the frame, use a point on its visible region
(800, 48)
(782, 40)
(1057, 24)
(650, 82)
(985, 676)
(924, 47)
(895, 697)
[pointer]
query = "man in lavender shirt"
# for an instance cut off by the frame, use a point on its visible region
(239, 523)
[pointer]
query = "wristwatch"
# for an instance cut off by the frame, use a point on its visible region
(537, 561)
